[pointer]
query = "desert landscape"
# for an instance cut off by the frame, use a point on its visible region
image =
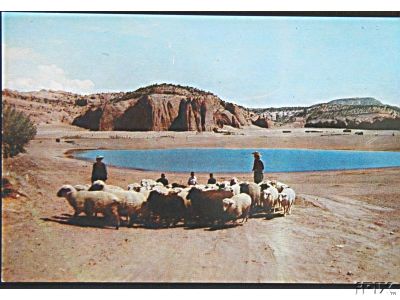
(76, 83)
(344, 227)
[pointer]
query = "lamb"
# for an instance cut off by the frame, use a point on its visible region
(287, 197)
(238, 206)
(100, 185)
(270, 198)
(91, 202)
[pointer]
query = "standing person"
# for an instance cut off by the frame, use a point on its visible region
(211, 180)
(99, 171)
(192, 179)
(163, 179)
(258, 167)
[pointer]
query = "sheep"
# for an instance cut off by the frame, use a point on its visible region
(270, 198)
(148, 183)
(223, 184)
(168, 208)
(252, 189)
(130, 204)
(130, 201)
(238, 206)
(233, 181)
(178, 185)
(134, 187)
(161, 189)
(91, 202)
(100, 185)
(207, 205)
(279, 185)
(235, 189)
(287, 197)
(82, 187)
(210, 186)
(265, 184)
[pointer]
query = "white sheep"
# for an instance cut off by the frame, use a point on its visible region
(235, 189)
(210, 186)
(130, 202)
(238, 206)
(270, 198)
(100, 185)
(134, 187)
(91, 202)
(148, 183)
(82, 187)
(279, 185)
(287, 197)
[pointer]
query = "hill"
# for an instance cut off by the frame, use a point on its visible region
(162, 107)
(356, 101)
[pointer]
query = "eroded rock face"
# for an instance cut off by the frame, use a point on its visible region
(90, 119)
(165, 108)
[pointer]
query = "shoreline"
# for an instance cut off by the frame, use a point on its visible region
(70, 154)
(355, 209)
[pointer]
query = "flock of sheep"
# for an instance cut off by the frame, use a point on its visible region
(151, 203)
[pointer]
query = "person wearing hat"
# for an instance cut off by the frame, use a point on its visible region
(99, 171)
(163, 179)
(258, 167)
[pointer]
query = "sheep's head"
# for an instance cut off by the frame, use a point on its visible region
(134, 187)
(234, 181)
(227, 203)
(65, 190)
(97, 185)
(282, 196)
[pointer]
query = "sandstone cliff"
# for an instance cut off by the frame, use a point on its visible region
(164, 107)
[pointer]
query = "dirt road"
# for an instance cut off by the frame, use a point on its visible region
(344, 228)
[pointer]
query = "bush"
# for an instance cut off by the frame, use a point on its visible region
(18, 130)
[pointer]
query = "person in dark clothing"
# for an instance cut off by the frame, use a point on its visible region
(258, 167)
(163, 179)
(99, 171)
(211, 180)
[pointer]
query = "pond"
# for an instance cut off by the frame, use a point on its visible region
(220, 160)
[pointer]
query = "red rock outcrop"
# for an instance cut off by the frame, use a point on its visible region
(164, 107)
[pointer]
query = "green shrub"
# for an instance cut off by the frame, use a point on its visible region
(18, 130)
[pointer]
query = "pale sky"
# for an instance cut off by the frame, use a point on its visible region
(252, 61)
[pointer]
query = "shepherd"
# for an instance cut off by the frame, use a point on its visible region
(99, 171)
(258, 167)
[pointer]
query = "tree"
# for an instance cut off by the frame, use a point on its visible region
(18, 130)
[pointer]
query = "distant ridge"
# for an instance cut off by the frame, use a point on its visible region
(357, 101)
(163, 107)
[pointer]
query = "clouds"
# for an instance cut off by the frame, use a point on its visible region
(27, 70)
(51, 77)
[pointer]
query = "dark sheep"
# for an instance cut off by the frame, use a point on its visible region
(207, 206)
(168, 209)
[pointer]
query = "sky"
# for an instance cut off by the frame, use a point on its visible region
(252, 61)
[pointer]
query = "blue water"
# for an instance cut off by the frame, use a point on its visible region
(220, 160)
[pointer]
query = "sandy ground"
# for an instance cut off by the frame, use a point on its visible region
(344, 227)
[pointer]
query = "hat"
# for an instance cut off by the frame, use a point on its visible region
(256, 153)
(99, 157)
